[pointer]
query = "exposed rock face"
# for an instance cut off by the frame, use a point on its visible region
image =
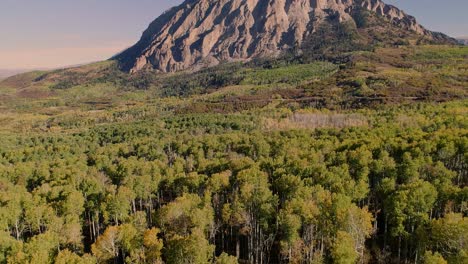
(209, 31)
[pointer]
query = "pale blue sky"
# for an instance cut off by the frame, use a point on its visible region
(52, 33)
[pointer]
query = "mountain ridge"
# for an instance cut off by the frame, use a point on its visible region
(463, 40)
(5, 73)
(207, 32)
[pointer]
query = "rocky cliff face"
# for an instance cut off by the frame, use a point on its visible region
(205, 32)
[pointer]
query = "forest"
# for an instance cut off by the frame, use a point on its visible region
(357, 154)
(270, 185)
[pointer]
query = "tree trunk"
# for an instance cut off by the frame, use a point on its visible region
(90, 226)
(237, 245)
(399, 248)
(17, 230)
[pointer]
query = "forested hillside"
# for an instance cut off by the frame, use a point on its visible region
(357, 156)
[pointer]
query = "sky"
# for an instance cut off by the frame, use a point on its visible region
(57, 33)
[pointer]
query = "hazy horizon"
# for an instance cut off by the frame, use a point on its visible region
(60, 33)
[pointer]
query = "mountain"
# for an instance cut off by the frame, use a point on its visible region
(206, 32)
(463, 40)
(4, 73)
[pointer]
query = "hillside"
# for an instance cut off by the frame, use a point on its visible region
(350, 148)
(306, 158)
(4, 73)
(254, 171)
(351, 79)
(206, 32)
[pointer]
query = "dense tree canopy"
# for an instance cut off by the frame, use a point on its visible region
(225, 188)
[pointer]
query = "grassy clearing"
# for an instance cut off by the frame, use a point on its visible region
(441, 53)
(292, 74)
(316, 120)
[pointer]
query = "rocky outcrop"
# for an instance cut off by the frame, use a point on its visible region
(205, 32)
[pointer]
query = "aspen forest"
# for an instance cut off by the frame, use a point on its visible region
(354, 151)
(362, 186)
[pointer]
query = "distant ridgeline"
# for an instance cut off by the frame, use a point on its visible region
(463, 41)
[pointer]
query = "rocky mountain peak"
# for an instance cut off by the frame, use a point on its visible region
(206, 32)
